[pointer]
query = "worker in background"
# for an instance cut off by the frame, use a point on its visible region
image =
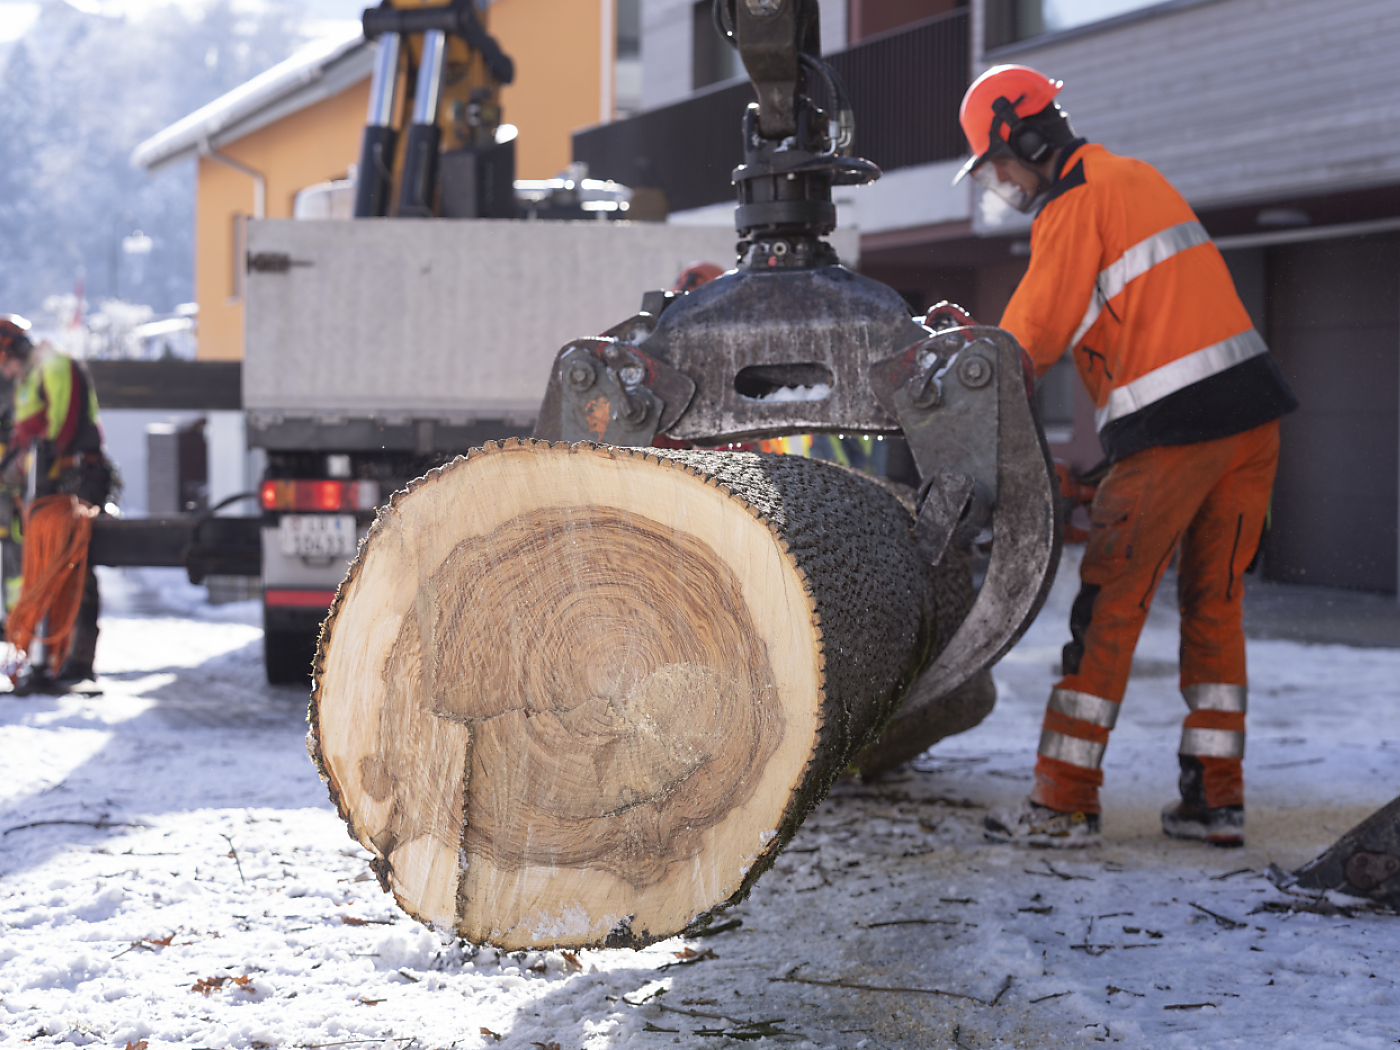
(56, 420)
(695, 275)
(11, 506)
(1124, 277)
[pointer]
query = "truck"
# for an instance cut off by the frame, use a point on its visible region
(376, 350)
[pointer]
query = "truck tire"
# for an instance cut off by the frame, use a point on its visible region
(287, 656)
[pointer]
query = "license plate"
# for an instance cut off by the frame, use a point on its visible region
(317, 535)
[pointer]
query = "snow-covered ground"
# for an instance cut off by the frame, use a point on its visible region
(172, 874)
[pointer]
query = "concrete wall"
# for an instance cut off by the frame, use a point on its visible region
(1237, 100)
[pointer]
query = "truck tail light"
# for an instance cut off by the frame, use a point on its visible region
(326, 495)
(323, 496)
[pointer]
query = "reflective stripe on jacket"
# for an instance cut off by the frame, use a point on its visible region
(54, 399)
(1125, 278)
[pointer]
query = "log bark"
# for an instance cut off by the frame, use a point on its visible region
(582, 695)
(928, 714)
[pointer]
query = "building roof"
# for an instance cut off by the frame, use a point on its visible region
(320, 70)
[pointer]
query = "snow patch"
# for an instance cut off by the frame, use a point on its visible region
(572, 923)
(412, 948)
(816, 392)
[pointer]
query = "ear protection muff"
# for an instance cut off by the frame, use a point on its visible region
(1025, 141)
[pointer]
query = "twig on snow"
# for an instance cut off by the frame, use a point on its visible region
(1190, 1006)
(912, 922)
(746, 1029)
(749, 1030)
(101, 824)
(1065, 876)
(724, 927)
(1047, 998)
(1229, 924)
(1004, 989)
(878, 988)
(232, 852)
(688, 957)
(1232, 874)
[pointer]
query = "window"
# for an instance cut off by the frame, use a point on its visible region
(712, 59)
(1011, 20)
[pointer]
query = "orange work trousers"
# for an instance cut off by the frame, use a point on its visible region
(1209, 501)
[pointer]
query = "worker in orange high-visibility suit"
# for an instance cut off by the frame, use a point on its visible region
(56, 419)
(1124, 277)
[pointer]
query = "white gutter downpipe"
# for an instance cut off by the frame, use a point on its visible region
(259, 180)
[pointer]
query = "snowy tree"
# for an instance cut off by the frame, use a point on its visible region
(77, 93)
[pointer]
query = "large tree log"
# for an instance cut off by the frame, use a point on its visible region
(582, 695)
(929, 713)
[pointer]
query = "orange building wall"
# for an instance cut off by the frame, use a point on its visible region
(558, 49)
(308, 147)
(557, 46)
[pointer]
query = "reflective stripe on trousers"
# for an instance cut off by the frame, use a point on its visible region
(1211, 743)
(1082, 707)
(1216, 696)
(1071, 749)
(1085, 706)
(1223, 698)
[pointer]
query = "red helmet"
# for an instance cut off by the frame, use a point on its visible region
(694, 275)
(995, 102)
(14, 337)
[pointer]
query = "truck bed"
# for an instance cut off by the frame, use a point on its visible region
(395, 333)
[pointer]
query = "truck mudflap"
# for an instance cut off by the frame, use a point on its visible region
(203, 546)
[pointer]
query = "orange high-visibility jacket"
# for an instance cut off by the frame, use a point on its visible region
(1125, 277)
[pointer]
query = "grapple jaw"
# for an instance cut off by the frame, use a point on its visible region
(1365, 862)
(774, 351)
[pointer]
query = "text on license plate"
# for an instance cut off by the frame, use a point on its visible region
(317, 535)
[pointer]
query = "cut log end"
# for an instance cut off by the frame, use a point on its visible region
(576, 695)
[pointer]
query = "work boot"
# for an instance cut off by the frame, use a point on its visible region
(1031, 824)
(1191, 818)
(1221, 826)
(77, 677)
(37, 681)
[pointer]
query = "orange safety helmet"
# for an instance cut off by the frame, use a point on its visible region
(694, 275)
(14, 337)
(992, 112)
